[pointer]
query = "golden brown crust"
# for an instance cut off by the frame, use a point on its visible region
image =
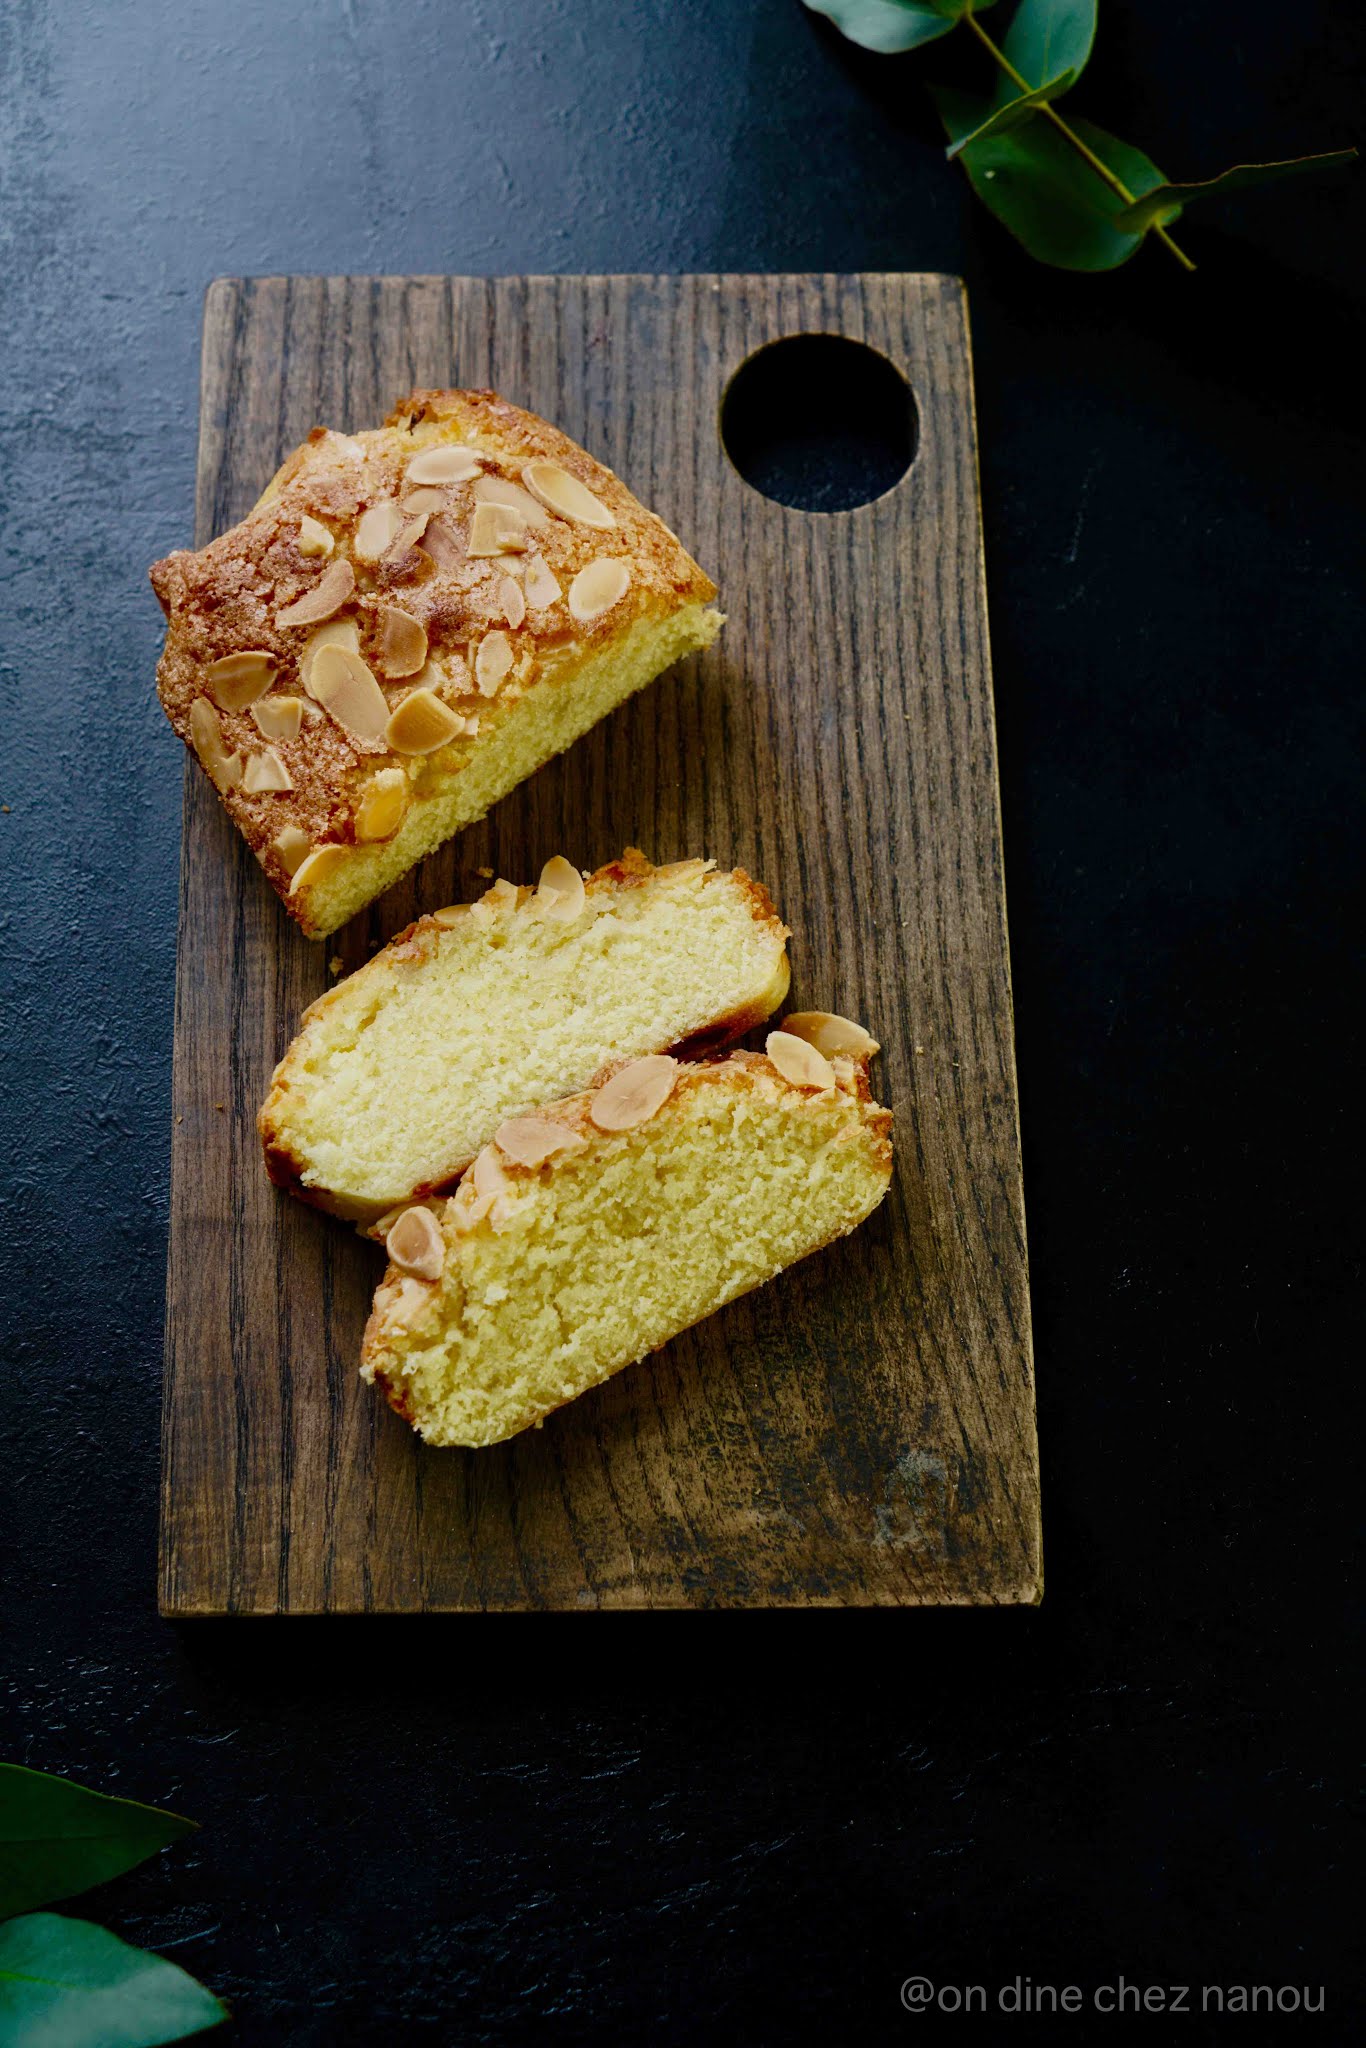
(228, 597)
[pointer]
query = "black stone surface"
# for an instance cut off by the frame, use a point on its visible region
(714, 1828)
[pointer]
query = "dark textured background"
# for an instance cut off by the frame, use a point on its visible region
(688, 1827)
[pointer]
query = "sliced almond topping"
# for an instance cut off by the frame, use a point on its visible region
(531, 1140)
(499, 490)
(597, 588)
(402, 642)
(559, 893)
(831, 1034)
(341, 633)
(511, 599)
(331, 591)
(487, 1175)
(496, 530)
(421, 724)
(376, 530)
(635, 1093)
(541, 587)
(236, 680)
(348, 692)
(314, 538)
(292, 845)
(443, 466)
(323, 861)
(467, 1208)
(565, 494)
(416, 1246)
(383, 804)
(441, 544)
(407, 537)
(206, 736)
(492, 662)
(279, 718)
(503, 895)
(265, 774)
(846, 1073)
(428, 500)
(799, 1062)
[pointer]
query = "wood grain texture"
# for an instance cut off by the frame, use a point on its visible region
(861, 1432)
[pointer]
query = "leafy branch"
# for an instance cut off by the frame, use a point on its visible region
(66, 1983)
(1074, 195)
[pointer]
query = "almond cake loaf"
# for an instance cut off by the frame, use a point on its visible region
(409, 622)
(483, 1011)
(591, 1233)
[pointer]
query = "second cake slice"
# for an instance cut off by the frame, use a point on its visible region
(487, 1010)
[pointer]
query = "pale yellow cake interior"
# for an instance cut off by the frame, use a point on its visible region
(610, 1252)
(408, 1069)
(516, 738)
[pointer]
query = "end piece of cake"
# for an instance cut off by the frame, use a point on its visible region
(409, 622)
(592, 1232)
(483, 1011)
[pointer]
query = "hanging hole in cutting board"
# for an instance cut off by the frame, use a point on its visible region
(819, 422)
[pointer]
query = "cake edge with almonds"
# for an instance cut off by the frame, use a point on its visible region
(437, 1249)
(585, 598)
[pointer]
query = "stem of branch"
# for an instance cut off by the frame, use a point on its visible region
(1102, 170)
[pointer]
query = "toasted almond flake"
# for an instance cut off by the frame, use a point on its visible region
(407, 537)
(541, 588)
(467, 1208)
(428, 500)
(635, 1093)
(341, 633)
(487, 1175)
(323, 861)
(597, 588)
(560, 893)
(345, 447)
(376, 530)
(383, 804)
(492, 662)
(799, 1062)
(443, 466)
(314, 538)
(511, 599)
(831, 1034)
(348, 692)
(278, 718)
(415, 1244)
(496, 530)
(421, 724)
(236, 680)
(292, 845)
(441, 544)
(500, 490)
(531, 1140)
(567, 495)
(846, 1073)
(206, 736)
(266, 774)
(402, 642)
(502, 896)
(332, 590)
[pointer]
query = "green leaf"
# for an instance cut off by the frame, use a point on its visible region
(1045, 193)
(1166, 202)
(1012, 112)
(69, 1984)
(57, 1838)
(1050, 37)
(891, 25)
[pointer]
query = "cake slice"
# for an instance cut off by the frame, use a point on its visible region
(409, 622)
(591, 1233)
(484, 1011)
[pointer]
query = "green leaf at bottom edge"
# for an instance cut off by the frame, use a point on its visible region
(1166, 202)
(890, 26)
(69, 1984)
(57, 1837)
(1048, 196)
(1010, 113)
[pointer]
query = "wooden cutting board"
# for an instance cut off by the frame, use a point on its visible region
(861, 1432)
